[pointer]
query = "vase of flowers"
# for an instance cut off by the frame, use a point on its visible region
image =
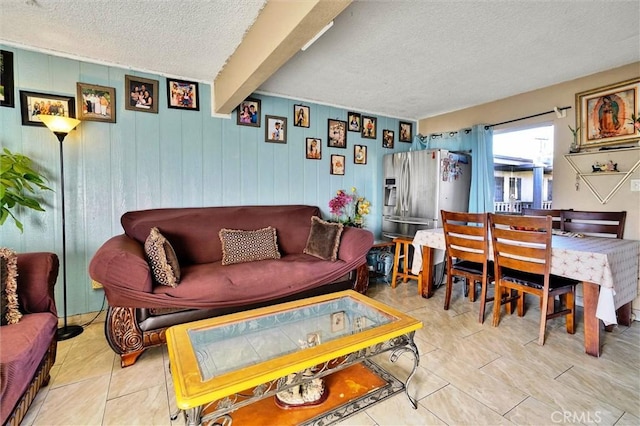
(349, 208)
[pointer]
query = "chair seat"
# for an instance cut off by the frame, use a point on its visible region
(472, 267)
(536, 281)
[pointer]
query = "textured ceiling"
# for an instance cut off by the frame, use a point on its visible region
(408, 59)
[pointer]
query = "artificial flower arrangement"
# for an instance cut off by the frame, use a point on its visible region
(349, 209)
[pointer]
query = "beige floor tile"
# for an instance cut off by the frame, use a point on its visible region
(145, 407)
(454, 407)
(87, 358)
(398, 411)
(533, 412)
(148, 372)
(628, 420)
(360, 419)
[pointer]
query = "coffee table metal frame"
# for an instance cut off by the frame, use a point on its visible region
(226, 392)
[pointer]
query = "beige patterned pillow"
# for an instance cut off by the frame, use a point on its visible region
(10, 314)
(324, 239)
(162, 259)
(240, 246)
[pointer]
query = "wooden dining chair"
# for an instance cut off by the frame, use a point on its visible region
(522, 262)
(598, 224)
(467, 250)
(556, 215)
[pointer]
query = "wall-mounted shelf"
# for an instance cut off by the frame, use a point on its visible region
(581, 162)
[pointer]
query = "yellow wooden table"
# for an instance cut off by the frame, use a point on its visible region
(214, 360)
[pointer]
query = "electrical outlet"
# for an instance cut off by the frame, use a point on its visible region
(635, 185)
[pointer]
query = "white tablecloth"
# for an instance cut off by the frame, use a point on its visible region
(611, 263)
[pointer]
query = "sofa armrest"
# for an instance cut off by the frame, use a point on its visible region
(355, 243)
(121, 267)
(37, 274)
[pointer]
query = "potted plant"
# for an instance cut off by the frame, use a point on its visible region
(18, 180)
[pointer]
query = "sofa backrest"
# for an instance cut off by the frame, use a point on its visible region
(193, 231)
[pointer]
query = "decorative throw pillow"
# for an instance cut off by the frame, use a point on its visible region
(240, 246)
(324, 239)
(162, 259)
(10, 314)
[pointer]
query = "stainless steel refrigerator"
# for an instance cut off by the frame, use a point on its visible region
(418, 184)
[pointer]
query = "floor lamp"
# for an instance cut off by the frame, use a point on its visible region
(61, 126)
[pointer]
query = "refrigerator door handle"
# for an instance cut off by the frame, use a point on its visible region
(405, 186)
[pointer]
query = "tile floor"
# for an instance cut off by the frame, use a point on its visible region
(469, 374)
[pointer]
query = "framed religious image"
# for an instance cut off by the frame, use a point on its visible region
(404, 132)
(6, 79)
(337, 133)
(33, 104)
(276, 129)
(301, 117)
(183, 94)
(96, 103)
(369, 127)
(360, 154)
(141, 94)
(605, 116)
(354, 119)
(387, 138)
(314, 149)
(337, 164)
(248, 113)
(337, 321)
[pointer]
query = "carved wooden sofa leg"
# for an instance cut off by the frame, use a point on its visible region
(123, 334)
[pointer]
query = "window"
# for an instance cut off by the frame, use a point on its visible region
(515, 188)
(499, 192)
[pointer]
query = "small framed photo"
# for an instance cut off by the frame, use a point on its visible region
(359, 324)
(141, 94)
(354, 120)
(337, 133)
(301, 117)
(248, 113)
(182, 94)
(369, 127)
(405, 131)
(96, 103)
(360, 154)
(337, 321)
(276, 129)
(314, 339)
(387, 138)
(6, 79)
(314, 149)
(337, 164)
(33, 104)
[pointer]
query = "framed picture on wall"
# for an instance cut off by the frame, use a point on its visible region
(276, 129)
(301, 117)
(33, 104)
(6, 79)
(337, 164)
(354, 119)
(96, 103)
(360, 154)
(405, 131)
(314, 149)
(248, 113)
(337, 133)
(604, 115)
(182, 94)
(387, 138)
(141, 94)
(369, 127)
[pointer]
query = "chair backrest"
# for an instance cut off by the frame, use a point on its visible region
(599, 224)
(466, 236)
(556, 215)
(522, 243)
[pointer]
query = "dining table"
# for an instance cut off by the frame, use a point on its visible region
(608, 268)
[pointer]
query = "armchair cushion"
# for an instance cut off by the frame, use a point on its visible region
(10, 314)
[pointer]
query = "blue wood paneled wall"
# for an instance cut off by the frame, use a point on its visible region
(170, 159)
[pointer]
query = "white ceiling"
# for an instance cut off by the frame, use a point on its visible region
(406, 59)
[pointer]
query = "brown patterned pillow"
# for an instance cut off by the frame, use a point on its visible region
(240, 246)
(10, 314)
(162, 259)
(324, 239)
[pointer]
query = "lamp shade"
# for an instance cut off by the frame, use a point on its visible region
(58, 124)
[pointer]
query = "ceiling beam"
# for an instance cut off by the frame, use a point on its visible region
(279, 32)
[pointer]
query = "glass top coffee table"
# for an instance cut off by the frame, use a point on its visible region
(228, 362)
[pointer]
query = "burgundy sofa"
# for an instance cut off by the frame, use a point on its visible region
(140, 310)
(28, 348)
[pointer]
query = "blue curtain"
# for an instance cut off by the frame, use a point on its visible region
(479, 141)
